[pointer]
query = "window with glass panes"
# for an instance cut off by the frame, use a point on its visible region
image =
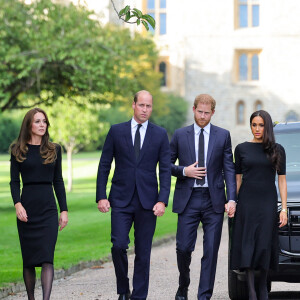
(157, 9)
(163, 70)
(247, 13)
(247, 65)
(258, 105)
(240, 112)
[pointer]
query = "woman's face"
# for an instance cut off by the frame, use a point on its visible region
(257, 128)
(39, 125)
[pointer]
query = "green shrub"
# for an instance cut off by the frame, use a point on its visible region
(9, 130)
(174, 116)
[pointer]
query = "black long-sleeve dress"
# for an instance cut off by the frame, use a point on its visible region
(38, 236)
(254, 236)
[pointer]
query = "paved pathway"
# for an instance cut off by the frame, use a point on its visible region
(98, 283)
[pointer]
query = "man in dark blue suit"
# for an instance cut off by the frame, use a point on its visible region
(204, 161)
(137, 147)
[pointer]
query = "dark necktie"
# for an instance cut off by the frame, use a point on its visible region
(137, 141)
(201, 156)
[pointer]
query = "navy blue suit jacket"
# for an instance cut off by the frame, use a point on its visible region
(219, 164)
(129, 172)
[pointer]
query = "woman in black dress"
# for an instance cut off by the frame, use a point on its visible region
(254, 237)
(39, 163)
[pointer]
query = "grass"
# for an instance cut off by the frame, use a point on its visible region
(87, 236)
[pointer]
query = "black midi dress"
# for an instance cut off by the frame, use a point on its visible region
(254, 236)
(38, 236)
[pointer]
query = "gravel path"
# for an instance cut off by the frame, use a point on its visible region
(99, 282)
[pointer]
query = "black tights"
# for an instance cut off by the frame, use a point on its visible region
(262, 285)
(47, 275)
(29, 279)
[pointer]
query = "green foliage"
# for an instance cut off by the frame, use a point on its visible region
(174, 114)
(74, 125)
(109, 115)
(136, 16)
(9, 131)
(50, 51)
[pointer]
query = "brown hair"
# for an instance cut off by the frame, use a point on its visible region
(205, 99)
(19, 147)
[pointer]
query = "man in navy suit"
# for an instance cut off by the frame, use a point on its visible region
(204, 161)
(137, 147)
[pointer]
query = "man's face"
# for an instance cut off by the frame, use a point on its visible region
(142, 109)
(202, 114)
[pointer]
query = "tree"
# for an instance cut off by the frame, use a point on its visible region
(174, 116)
(9, 130)
(74, 126)
(50, 51)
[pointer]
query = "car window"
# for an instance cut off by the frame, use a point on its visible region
(291, 143)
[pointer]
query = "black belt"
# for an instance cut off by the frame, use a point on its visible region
(200, 188)
(37, 183)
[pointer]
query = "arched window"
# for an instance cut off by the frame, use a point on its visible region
(240, 112)
(292, 116)
(163, 70)
(258, 105)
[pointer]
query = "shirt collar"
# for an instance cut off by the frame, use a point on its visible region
(134, 123)
(197, 128)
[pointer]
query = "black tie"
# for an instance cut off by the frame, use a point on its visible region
(201, 156)
(137, 141)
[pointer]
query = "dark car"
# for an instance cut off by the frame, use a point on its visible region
(288, 135)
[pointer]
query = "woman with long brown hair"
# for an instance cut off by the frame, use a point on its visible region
(39, 163)
(254, 237)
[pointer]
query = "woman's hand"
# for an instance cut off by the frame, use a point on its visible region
(282, 218)
(283, 195)
(21, 212)
(63, 220)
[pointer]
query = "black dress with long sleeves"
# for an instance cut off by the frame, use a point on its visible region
(254, 236)
(38, 236)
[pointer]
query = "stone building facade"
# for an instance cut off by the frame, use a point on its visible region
(245, 53)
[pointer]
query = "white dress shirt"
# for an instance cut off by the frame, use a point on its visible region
(143, 129)
(206, 132)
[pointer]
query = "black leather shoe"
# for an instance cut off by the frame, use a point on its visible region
(182, 294)
(124, 296)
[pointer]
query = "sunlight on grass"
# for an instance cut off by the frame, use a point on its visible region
(87, 236)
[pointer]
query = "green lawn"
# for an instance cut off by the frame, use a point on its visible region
(87, 236)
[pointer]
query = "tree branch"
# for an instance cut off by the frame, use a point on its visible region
(119, 15)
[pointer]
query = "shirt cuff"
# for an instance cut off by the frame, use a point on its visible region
(231, 201)
(183, 173)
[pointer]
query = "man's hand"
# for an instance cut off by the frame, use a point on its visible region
(103, 205)
(230, 208)
(194, 171)
(159, 209)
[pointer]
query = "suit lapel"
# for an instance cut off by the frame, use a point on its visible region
(212, 139)
(191, 141)
(128, 138)
(147, 141)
